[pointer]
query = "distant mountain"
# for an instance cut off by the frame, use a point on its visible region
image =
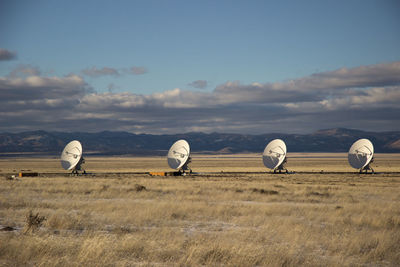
(121, 143)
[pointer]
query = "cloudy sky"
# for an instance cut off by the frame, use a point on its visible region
(178, 66)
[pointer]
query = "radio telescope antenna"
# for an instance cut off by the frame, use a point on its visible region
(179, 156)
(361, 154)
(274, 156)
(71, 157)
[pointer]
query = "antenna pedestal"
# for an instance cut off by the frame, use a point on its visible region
(78, 170)
(185, 168)
(281, 168)
(368, 168)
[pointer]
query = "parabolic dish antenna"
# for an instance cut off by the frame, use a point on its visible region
(71, 157)
(179, 156)
(274, 156)
(361, 154)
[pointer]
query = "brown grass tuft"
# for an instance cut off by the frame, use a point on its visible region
(139, 188)
(33, 222)
(265, 192)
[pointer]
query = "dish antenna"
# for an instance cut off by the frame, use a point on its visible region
(361, 154)
(274, 156)
(179, 156)
(71, 157)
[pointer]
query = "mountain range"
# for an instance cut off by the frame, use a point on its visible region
(124, 143)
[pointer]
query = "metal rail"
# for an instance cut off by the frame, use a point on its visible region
(204, 173)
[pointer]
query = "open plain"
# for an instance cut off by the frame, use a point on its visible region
(233, 212)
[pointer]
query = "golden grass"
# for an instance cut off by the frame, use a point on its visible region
(236, 219)
(310, 162)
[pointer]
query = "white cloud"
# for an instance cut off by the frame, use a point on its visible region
(36, 87)
(340, 98)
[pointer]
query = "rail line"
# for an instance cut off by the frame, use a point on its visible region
(222, 173)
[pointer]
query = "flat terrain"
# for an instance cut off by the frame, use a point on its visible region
(114, 217)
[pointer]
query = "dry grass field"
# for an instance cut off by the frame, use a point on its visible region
(253, 219)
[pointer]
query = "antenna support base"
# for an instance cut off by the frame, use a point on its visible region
(78, 170)
(281, 168)
(185, 168)
(368, 168)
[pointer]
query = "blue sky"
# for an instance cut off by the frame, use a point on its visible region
(149, 49)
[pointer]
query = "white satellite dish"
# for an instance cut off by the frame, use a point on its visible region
(71, 157)
(361, 154)
(179, 156)
(274, 156)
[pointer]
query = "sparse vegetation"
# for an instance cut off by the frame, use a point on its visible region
(33, 222)
(139, 187)
(264, 191)
(220, 219)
